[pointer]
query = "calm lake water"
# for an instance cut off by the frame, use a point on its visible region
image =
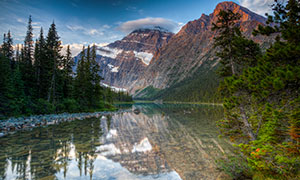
(161, 142)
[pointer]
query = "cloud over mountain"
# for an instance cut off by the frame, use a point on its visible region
(259, 6)
(149, 23)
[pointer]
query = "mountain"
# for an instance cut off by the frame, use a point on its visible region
(123, 61)
(184, 68)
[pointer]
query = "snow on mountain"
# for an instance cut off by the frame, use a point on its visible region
(144, 56)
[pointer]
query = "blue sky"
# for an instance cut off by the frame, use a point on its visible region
(103, 21)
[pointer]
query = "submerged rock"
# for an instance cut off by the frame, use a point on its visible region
(137, 111)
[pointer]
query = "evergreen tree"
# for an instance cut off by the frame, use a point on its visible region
(26, 60)
(54, 59)
(235, 51)
(39, 65)
(88, 78)
(80, 89)
(262, 104)
(6, 96)
(67, 67)
(7, 46)
(96, 78)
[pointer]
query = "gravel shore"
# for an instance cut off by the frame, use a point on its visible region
(12, 125)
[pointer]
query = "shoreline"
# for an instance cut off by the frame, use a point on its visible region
(12, 125)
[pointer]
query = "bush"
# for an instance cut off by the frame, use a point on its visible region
(236, 167)
(43, 107)
(69, 105)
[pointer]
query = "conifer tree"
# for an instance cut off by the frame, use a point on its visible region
(235, 51)
(80, 89)
(39, 65)
(6, 96)
(7, 46)
(96, 78)
(262, 104)
(67, 65)
(26, 61)
(54, 58)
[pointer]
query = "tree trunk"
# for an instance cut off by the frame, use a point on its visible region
(247, 124)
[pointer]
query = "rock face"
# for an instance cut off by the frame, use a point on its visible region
(192, 48)
(123, 61)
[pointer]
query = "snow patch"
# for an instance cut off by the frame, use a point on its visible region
(110, 66)
(115, 69)
(144, 56)
(108, 150)
(143, 146)
(116, 89)
(109, 52)
(111, 133)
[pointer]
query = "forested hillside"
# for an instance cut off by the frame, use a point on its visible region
(37, 79)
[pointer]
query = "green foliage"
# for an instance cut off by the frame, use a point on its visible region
(235, 166)
(200, 86)
(42, 106)
(262, 103)
(39, 80)
(236, 52)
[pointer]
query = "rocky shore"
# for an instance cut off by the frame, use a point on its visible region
(12, 125)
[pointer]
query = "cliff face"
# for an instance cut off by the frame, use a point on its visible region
(192, 49)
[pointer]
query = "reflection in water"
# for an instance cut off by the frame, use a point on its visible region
(162, 142)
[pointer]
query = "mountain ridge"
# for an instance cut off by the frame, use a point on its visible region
(191, 50)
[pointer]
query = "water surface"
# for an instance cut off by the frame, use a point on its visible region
(161, 142)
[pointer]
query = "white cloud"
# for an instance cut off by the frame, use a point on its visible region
(149, 22)
(86, 31)
(74, 27)
(77, 47)
(258, 6)
(105, 26)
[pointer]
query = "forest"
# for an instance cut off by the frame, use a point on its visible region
(35, 78)
(261, 95)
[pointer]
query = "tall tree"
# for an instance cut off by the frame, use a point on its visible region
(53, 60)
(80, 79)
(67, 67)
(7, 46)
(26, 61)
(96, 78)
(39, 65)
(262, 104)
(235, 51)
(6, 96)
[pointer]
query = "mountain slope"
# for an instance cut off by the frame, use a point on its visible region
(186, 61)
(123, 61)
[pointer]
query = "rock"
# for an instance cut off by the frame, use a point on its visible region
(136, 111)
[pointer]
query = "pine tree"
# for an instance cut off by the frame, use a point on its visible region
(235, 51)
(54, 59)
(262, 104)
(6, 96)
(39, 65)
(26, 60)
(7, 46)
(80, 88)
(96, 79)
(67, 66)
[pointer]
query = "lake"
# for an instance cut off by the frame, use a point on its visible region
(162, 141)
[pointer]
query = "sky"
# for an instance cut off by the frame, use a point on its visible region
(82, 22)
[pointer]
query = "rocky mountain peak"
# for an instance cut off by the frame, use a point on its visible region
(144, 39)
(205, 21)
(246, 14)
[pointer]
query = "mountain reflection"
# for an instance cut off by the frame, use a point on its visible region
(161, 142)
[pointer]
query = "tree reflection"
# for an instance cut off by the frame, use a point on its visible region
(45, 151)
